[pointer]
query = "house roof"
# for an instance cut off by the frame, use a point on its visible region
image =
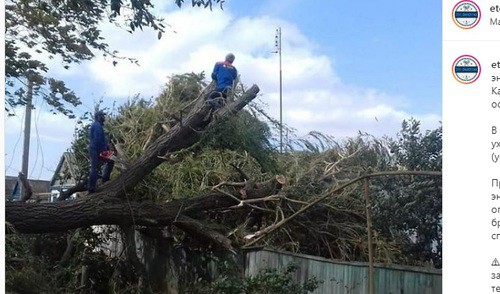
(67, 163)
(39, 186)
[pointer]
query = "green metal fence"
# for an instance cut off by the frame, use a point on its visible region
(348, 277)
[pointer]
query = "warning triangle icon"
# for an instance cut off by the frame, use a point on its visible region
(495, 262)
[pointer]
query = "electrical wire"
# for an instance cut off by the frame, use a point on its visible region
(39, 150)
(34, 102)
(39, 143)
(9, 167)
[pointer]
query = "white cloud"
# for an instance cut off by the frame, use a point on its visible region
(50, 127)
(314, 96)
(50, 136)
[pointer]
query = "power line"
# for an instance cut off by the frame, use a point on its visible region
(17, 142)
(39, 150)
(35, 102)
(39, 143)
(27, 129)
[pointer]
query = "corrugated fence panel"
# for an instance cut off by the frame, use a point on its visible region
(348, 277)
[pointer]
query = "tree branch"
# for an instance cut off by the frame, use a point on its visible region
(70, 247)
(202, 232)
(28, 190)
(107, 210)
(80, 187)
(261, 234)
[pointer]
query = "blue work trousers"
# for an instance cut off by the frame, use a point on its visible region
(96, 164)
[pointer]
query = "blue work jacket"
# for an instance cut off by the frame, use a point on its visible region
(224, 74)
(97, 138)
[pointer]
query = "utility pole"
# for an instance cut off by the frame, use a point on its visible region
(27, 133)
(277, 44)
(366, 192)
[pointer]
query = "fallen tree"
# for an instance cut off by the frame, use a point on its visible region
(110, 204)
(190, 178)
(108, 210)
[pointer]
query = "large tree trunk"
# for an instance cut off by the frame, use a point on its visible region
(84, 212)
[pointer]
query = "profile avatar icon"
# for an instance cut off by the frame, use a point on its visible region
(466, 14)
(466, 69)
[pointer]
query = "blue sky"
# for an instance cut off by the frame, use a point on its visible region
(347, 66)
(389, 45)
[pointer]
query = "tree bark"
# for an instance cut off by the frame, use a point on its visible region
(70, 247)
(81, 186)
(28, 190)
(67, 215)
(193, 227)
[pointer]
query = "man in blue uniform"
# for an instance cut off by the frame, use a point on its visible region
(224, 75)
(98, 145)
